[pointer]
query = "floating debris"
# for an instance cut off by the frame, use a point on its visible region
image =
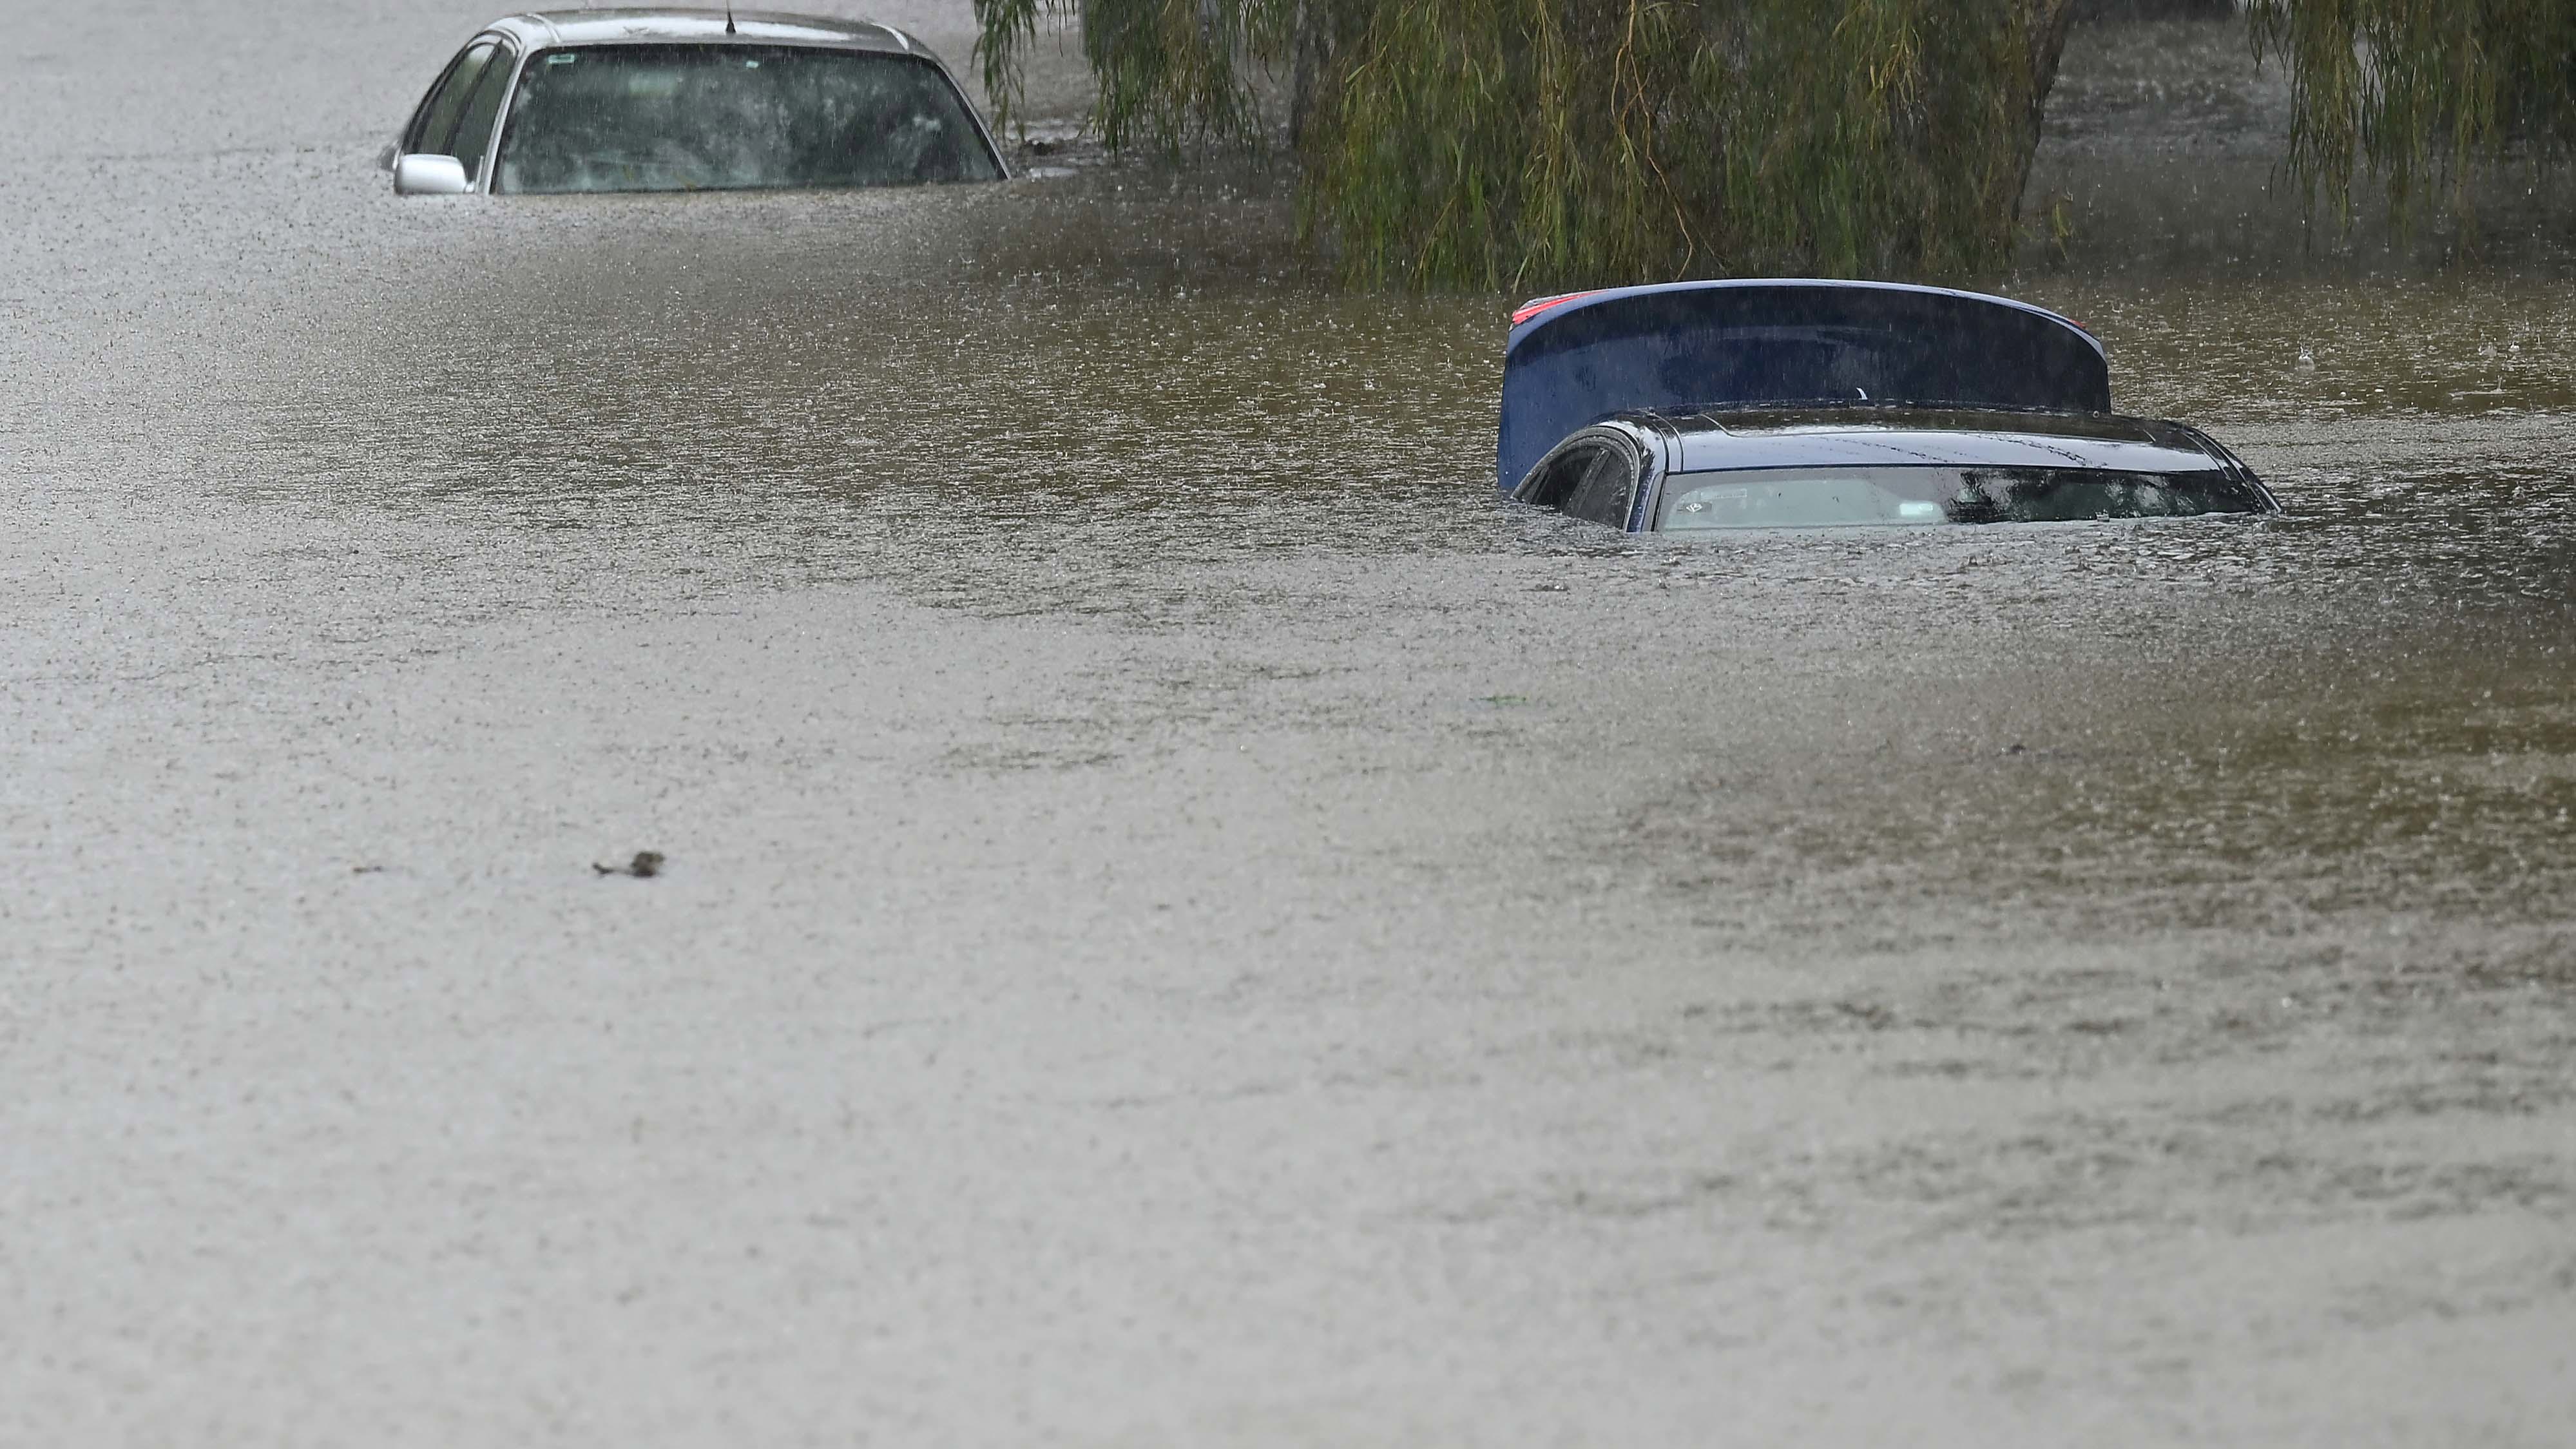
(645, 865)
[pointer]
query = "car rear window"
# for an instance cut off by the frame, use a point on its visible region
(1909, 496)
(725, 117)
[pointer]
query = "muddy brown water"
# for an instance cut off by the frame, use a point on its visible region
(1185, 921)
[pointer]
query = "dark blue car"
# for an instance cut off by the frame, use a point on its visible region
(1800, 404)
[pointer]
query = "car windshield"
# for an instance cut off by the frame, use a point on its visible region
(709, 117)
(1909, 496)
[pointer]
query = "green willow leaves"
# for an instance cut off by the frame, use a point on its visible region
(1533, 143)
(2415, 90)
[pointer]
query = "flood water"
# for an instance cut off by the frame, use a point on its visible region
(1185, 920)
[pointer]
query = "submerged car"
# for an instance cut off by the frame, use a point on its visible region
(1699, 406)
(689, 100)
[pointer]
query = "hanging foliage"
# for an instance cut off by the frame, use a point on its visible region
(1532, 143)
(2419, 90)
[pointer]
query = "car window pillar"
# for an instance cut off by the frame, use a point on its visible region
(433, 130)
(482, 109)
(1606, 488)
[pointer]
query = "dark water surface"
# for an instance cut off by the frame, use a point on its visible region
(1187, 921)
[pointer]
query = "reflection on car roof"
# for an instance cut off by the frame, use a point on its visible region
(1878, 434)
(1857, 417)
(750, 27)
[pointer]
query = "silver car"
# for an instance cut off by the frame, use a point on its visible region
(689, 100)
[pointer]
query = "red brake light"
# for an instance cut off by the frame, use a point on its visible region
(1536, 305)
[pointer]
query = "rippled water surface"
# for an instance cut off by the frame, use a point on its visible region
(1187, 919)
(1125, 397)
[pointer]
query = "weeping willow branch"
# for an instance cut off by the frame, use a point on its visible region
(2419, 92)
(1171, 72)
(1533, 143)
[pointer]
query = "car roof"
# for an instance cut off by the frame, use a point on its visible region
(700, 27)
(1861, 435)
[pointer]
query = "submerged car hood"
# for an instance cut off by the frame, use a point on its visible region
(1900, 436)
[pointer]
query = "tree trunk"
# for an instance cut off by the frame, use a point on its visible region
(2049, 22)
(1310, 44)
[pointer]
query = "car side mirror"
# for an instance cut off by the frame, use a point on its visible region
(430, 176)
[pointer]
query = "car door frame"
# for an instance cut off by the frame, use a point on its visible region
(519, 52)
(1648, 441)
(501, 40)
(394, 153)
